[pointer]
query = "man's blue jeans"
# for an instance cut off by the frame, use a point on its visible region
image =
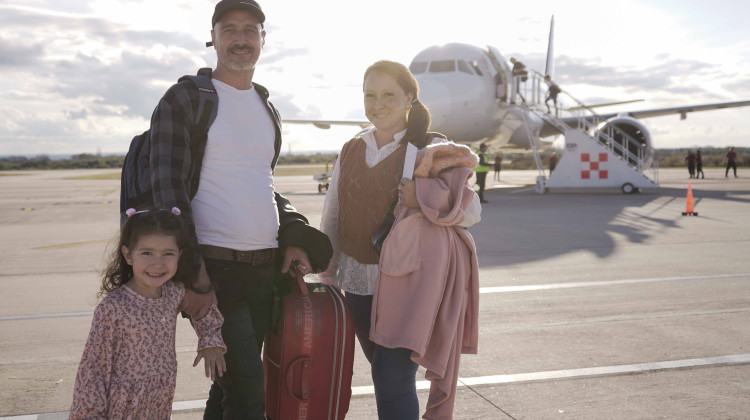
(245, 295)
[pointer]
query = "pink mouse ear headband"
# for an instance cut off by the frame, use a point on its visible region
(131, 211)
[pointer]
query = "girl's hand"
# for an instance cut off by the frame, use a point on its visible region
(407, 193)
(214, 357)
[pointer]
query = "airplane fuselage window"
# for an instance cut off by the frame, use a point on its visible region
(464, 67)
(442, 66)
(418, 67)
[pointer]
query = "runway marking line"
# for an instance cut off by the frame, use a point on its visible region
(552, 286)
(482, 290)
(734, 359)
(45, 316)
(70, 245)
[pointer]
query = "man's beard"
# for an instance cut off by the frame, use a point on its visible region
(235, 66)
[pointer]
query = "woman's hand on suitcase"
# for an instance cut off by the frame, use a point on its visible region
(214, 361)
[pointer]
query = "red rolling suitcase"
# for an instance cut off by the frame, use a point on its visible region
(308, 361)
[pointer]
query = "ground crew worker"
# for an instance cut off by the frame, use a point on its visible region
(482, 169)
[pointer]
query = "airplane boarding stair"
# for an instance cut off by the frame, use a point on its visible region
(595, 156)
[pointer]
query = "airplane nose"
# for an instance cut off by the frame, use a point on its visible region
(437, 99)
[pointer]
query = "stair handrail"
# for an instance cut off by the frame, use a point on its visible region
(589, 124)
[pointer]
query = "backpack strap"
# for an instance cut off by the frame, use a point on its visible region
(207, 101)
(205, 115)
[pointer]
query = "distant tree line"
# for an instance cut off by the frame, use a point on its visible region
(82, 161)
(312, 159)
(711, 157)
(668, 158)
(89, 161)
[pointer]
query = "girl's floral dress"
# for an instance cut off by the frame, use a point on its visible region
(129, 367)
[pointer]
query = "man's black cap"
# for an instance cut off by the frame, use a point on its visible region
(226, 5)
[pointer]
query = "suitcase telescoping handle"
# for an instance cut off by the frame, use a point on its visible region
(300, 281)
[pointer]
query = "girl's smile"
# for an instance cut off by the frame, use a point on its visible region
(154, 259)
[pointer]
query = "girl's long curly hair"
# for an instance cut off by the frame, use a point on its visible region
(153, 221)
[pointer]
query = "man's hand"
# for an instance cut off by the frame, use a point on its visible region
(203, 284)
(214, 361)
(296, 257)
(407, 193)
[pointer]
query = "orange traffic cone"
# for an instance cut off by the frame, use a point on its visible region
(689, 210)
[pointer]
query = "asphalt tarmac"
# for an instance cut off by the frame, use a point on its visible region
(593, 306)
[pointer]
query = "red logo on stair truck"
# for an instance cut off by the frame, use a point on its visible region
(594, 168)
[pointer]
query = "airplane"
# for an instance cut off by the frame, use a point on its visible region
(474, 97)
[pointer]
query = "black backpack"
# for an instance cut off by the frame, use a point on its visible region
(135, 182)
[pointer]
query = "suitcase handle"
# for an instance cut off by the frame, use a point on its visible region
(301, 364)
(300, 281)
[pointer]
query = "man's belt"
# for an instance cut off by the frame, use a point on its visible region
(256, 257)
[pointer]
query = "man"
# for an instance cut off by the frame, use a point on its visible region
(520, 74)
(699, 165)
(552, 91)
(243, 232)
(731, 159)
(498, 165)
(482, 168)
(690, 160)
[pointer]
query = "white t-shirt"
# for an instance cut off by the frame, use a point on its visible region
(235, 206)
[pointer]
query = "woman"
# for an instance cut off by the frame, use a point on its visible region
(364, 184)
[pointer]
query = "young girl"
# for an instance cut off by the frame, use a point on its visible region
(128, 368)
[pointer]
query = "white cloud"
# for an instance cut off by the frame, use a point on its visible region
(84, 74)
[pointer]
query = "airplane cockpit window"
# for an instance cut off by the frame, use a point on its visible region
(475, 65)
(464, 67)
(418, 67)
(442, 66)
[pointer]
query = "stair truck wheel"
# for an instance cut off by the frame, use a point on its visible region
(627, 188)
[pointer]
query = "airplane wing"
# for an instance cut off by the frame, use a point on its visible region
(552, 128)
(681, 110)
(326, 124)
(578, 108)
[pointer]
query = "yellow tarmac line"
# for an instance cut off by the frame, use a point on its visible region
(108, 192)
(70, 245)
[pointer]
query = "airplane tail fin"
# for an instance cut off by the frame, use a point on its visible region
(550, 67)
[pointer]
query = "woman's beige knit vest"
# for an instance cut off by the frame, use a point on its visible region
(365, 196)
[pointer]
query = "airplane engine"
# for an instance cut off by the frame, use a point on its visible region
(631, 135)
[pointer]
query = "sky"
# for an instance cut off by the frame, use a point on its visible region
(83, 76)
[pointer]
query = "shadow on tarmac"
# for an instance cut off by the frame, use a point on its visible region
(517, 228)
